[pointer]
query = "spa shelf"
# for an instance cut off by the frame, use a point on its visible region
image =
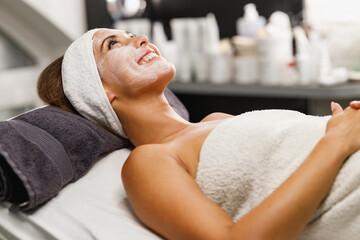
(348, 90)
(203, 98)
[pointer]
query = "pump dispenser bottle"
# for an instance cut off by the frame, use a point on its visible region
(251, 23)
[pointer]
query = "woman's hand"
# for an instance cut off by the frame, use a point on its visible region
(344, 127)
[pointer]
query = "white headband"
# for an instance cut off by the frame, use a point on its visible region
(83, 87)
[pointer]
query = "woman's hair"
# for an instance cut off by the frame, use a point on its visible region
(50, 87)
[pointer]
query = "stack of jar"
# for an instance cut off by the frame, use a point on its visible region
(268, 49)
(261, 53)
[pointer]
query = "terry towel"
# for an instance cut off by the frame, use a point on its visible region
(245, 158)
(83, 87)
(45, 149)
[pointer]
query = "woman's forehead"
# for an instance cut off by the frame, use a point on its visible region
(102, 33)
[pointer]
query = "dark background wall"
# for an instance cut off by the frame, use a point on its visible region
(226, 11)
(97, 15)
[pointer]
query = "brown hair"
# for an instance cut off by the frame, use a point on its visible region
(50, 87)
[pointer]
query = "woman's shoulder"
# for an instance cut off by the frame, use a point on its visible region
(148, 155)
(149, 151)
(216, 116)
(145, 161)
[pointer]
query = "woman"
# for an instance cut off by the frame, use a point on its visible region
(159, 175)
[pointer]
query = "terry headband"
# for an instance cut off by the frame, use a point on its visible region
(83, 87)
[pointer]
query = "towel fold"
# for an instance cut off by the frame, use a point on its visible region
(43, 150)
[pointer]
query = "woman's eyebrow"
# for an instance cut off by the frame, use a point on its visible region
(101, 47)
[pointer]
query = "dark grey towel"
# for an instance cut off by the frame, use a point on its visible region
(43, 150)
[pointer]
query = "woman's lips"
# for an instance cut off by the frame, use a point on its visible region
(147, 57)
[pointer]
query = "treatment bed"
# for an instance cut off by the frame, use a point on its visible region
(94, 207)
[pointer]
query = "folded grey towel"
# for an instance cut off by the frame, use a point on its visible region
(45, 149)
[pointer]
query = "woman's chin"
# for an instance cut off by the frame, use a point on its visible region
(155, 85)
(166, 72)
(172, 71)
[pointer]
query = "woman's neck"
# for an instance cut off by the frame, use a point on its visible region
(150, 120)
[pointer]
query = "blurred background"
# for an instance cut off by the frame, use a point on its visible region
(230, 55)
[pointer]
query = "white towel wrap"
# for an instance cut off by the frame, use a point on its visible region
(83, 87)
(245, 158)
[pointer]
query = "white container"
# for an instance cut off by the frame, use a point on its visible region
(274, 54)
(303, 65)
(245, 60)
(220, 66)
(201, 68)
(246, 69)
(303, 57)
(183, 64)
(195, 39)
(251, 23)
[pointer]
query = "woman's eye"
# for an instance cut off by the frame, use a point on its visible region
(132, 35)
(111, 43)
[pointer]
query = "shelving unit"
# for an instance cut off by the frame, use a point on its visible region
(312, 99)
(312, 92)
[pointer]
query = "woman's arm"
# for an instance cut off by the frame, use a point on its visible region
(168, 200)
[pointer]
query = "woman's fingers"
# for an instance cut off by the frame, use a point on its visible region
(336, 108)
(355, 104)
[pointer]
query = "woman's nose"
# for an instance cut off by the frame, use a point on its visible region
(140, 41)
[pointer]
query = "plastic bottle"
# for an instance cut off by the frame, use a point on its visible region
(274, 47)
(303, 56)
(180, 33)
(251, 23)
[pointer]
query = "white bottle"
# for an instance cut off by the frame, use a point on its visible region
(274, 49)
(303, 56)
(251, 23)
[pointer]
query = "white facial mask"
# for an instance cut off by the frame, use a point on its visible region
(127, 72)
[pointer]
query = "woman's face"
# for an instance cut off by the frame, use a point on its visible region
(127, 62)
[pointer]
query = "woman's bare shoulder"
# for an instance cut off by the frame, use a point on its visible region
(148, 156)
(151, 151)
(216, 116)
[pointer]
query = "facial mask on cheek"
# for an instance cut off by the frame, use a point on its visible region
(153, 70)
(127, 72)
(100, 67)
